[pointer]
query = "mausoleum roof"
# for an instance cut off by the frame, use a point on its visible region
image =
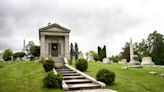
(54, 25)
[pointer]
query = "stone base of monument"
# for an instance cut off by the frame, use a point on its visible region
(147, 61)
(135, 64)
(123, 61)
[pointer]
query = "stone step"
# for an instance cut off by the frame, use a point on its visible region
(73, 77)
(65, 72)
(75, 81)
(83, 86)
(71, 74)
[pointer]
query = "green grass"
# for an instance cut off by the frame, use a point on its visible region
(23, 77)
(132, 80)
(27, 77)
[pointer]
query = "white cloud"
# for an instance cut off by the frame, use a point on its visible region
(93, 22)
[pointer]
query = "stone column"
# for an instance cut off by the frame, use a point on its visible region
(67, 46)
(42, 49)
(131, 50)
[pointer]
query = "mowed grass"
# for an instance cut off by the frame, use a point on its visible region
(27, 77)
(24, 76)
(131, 80)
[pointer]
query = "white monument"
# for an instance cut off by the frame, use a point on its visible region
(107, 61)
(1, 57)
(123, 61)
(90, 57)
(54, 40)
(147, 61)
(133, 61)
(133, 57)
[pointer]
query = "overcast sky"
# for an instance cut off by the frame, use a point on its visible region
(92, 22)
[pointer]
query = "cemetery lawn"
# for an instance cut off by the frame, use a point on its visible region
(27, 77)
(132, 80)
(23, 77)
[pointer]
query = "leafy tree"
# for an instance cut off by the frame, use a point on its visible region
(104, 52)
(156, 47)
(76, 51)
(126, 52)
(116, 58)
(7, 54)
(35, 50)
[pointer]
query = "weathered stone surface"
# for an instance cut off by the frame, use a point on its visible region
(133, 60)
(153, 73)
(147, 61)
(107, 61)
(90, 57)
(123, 61)
(1, 57)
(161, 67)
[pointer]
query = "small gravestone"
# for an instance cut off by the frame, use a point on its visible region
(107, 61)
(123, 61)
(1, 57)
(147, 61)
(90, 57)
(162, 75)
(153, 73)
(18, 58)
(161, 67)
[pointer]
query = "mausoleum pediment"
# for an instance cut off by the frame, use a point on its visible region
(54, 28)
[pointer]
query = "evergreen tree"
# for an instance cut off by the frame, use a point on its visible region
(99, 53)
(104, 51)
(76, 51)
(71, 52)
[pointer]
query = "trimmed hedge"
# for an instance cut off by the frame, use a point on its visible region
(81, 64)
(48, 65)
(52, 80)
(105, 76)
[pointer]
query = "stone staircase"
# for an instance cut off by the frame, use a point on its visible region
(76, 81)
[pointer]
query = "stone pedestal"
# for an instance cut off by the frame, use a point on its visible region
(123, 61)
(107, 61)
(147, 61)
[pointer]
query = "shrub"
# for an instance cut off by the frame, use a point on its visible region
(53, 81)
(81, 64)
(105, 76)
(48, 65)
(19, 54)
(7, 54)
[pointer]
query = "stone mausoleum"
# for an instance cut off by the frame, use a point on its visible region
(54, 40)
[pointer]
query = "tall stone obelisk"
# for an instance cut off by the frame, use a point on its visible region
(133, 57)
(131, 50)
